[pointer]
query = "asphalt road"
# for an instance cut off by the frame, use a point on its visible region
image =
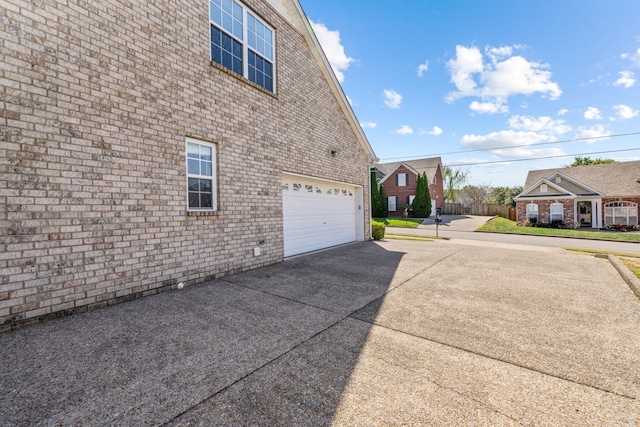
(462, 228)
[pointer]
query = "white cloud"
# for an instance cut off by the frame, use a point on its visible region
(625, 112)
(634, 58)
(502, 76)
(542, 124)
(435, 131)
(627, 79)
(488, 107)
(511, 144)
(369, 125)
(592, 113)
(392, 98)
(468, 61)
(333, 49)
(404, 130)
(563, 111)
(595, 132)
(423, 68)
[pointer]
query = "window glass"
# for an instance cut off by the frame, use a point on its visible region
(392, 203)
(556, 212)
(532, 210)
(230, 49)
(201, 175)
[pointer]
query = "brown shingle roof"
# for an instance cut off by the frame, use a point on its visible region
(611, 179)
(429, 166)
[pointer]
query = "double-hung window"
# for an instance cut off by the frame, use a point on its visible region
(242, 42)
(201, 176)
(556, 212)
(532, 211)
(392, 203)
(402, 179)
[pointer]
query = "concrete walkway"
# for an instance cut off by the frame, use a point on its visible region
(389, 333)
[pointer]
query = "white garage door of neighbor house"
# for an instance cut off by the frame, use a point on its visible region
(317, 214)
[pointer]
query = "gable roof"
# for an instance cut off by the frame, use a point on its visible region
(430, 166)
(292, 11)
(610, 179)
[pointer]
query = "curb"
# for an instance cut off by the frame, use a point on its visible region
(627, 275)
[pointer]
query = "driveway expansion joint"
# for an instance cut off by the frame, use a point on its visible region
(497, 359)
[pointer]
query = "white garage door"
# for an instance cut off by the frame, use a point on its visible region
(317, 214)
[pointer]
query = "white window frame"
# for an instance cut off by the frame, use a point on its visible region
(268, 55)
(556, 215)
(544, 188)
(621, 209)
(403, 179)
(192, 174)
(530, 210)
(392, 201)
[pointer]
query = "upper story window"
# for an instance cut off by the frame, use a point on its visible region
(201, 176)
(402, 179)
(543, 188)
(242, 42)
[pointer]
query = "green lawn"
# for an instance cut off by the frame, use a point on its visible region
(399, 222)
(502, 225)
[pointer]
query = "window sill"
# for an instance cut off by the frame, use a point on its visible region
(202, 213)
(242, 79)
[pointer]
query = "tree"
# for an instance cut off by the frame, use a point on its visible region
(586, 161)
(378, 205)
(474, 194)
(503, 196)
(383, 201)
(453, 179)
(377, 201)
(422, 201)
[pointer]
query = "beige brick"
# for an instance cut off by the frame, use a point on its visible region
(99, 128)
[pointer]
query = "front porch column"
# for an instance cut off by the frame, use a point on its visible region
(596, 214)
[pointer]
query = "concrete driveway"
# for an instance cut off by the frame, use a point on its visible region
(455, 222)
(389, 333)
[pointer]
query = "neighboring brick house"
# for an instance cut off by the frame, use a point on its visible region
(150, 144)
(587, 196)
(399, 182)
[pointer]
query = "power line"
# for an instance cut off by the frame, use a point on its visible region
(542, 158)
(516, 146)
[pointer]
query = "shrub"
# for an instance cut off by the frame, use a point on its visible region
(377, 230)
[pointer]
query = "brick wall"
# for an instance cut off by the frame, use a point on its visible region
(544, 211)
(96, 101)
(391, 189)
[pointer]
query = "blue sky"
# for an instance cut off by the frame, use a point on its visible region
(485, 84)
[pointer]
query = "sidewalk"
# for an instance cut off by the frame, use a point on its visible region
(389, 333)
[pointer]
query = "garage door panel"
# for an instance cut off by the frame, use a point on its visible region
(317, 214)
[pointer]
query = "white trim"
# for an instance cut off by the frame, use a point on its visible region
(333, 181)
(391, 172)
(395, 203)
(577, 183)
(213, 177)
(336, 86)
(549, 183)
